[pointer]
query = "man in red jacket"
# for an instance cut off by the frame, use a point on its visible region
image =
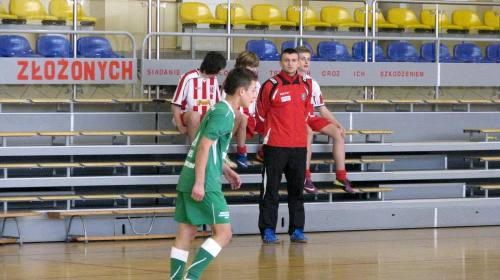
(283, 105)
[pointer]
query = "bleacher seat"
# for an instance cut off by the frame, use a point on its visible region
(339, 17)
(380, 22)
(4, 14)
(193, 13)
(428, 52)
(97, 47)
(469, 53)
(469, 20)
(63, 10)
(358, 52)
(30, 9)
(492, 53)
(404, 52)
(492, 18)
(405, 18)
(54, 46)
(264, 49)
(290, 44)
(335, 51)
(238, 15)
(271, 15)
(428, 16)
(309, 17)
(16, 46)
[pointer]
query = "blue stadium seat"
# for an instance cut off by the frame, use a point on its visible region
(264, 49)
(291, 44)
(469, 53)
(97, 47)
(404, 52)
(492, 53)
(358, 52)
(16, 46)
(335, 51)
(427, 51)
(54, 46)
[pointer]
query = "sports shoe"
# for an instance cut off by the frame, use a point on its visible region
(298, 236)
(345, 185)
(309, 186)
(230, 163)
(241, 160)
(259, 157)
(270, 237)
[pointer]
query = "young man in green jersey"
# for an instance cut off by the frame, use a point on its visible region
(200, 199)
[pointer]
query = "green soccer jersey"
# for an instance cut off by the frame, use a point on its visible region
(217, 125)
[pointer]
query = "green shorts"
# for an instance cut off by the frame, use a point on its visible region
(211, 210)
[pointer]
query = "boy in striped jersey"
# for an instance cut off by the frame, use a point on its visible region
(198, 90)
(326, 124)
(200, 199)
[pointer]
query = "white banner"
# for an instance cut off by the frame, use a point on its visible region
(68, 70)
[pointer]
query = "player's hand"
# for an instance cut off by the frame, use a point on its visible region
(198, 192)
(233, 178)
(182, 129)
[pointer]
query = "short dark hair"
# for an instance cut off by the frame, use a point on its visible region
(238, 77)
(213, 63)
(288, 51)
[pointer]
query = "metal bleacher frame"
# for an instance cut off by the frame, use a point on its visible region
(347, 214)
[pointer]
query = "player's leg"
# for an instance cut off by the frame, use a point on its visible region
(180, 250)
(192, 120)
(338, 156)
(241, 137)
(308, 184)
(215, 209)
(274, 165)
(295, 173)
(185, 235)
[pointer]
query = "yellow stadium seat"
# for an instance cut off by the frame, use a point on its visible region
(64, 11)
(192, 13)
(4, 14)
(339, 17)
(309, 16)
(428, 16)
(492, 18)
(238, 15)
(29, 9)
(469, 20)
(405, 18)
(380, 22)
(270, 15)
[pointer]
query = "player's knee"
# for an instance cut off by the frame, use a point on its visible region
(193, 119)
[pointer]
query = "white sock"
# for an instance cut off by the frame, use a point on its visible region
(179, 254)
(211, 247)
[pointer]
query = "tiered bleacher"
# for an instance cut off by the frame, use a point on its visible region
(89, 151)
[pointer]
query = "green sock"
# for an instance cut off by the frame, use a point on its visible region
(178, 259)
(207, 253)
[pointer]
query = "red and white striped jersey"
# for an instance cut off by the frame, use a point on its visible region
(251, 108)
(317, 96)
(195, 93)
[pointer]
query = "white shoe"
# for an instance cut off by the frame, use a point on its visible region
(230, 163)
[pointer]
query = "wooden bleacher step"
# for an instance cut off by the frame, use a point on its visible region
(485, 188)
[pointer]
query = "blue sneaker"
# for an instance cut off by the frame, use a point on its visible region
(298, 236)
(270, 237)
(241, 160)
